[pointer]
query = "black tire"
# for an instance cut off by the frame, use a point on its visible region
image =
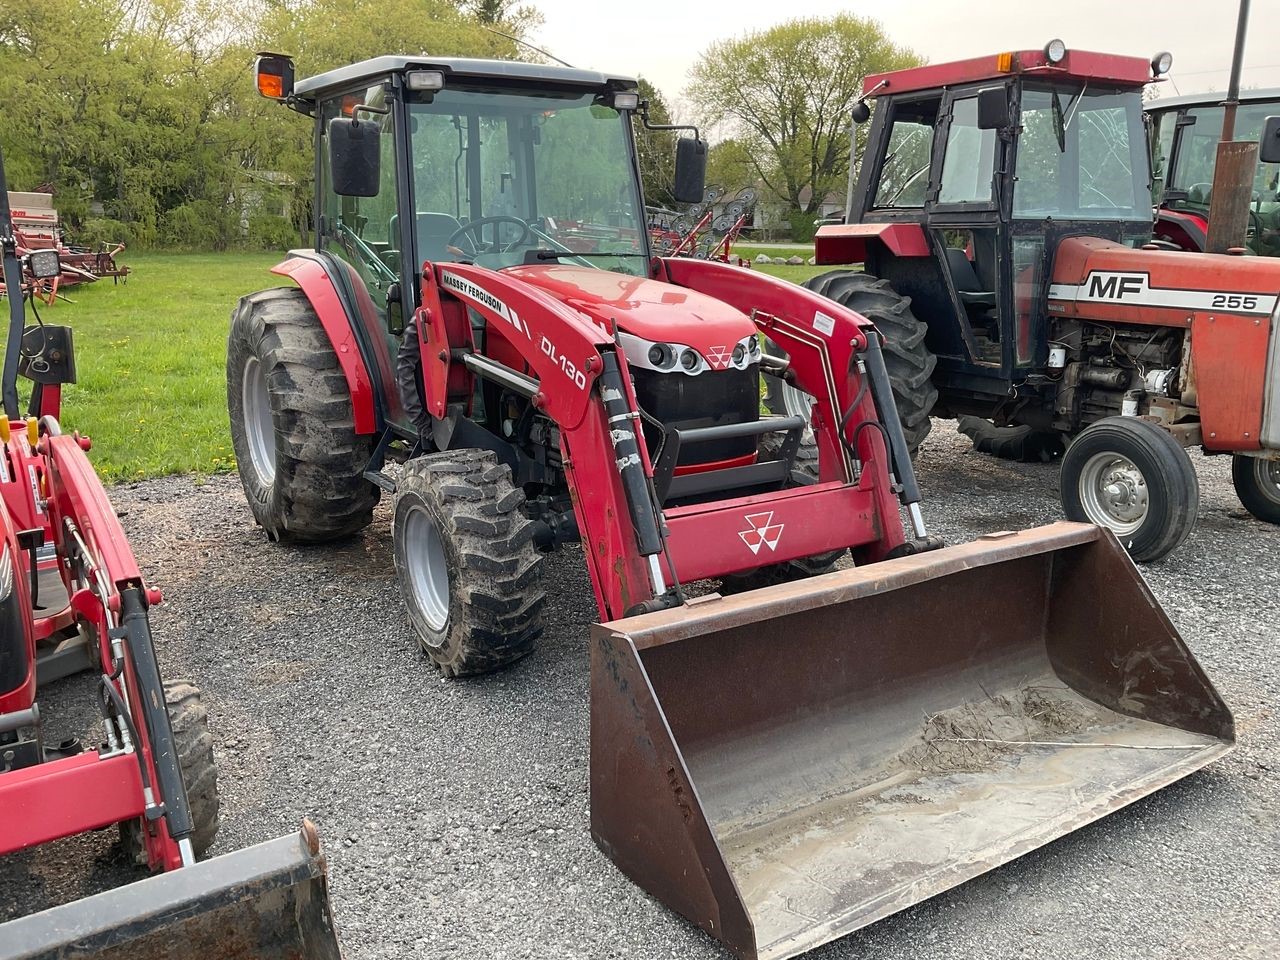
(1257, 484)
(315, 490)
(458, 516)
(1164, 476)
(190, 723)
(804, 471)
(909, 361)
(1020, 444)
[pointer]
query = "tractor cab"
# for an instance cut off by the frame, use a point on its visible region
(973, 173)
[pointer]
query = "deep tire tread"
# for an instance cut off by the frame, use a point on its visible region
(496, 592)
(319, 492)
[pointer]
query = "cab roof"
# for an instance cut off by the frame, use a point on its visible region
(1213, 99)
(1076, 66)
(377, 67)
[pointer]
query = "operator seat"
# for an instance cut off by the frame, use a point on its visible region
(433, 233)
(972, 293)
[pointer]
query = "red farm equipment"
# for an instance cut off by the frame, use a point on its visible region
(536, 395)
(1002, 219)
(36, 227)
(1184, 140)
(73, 599)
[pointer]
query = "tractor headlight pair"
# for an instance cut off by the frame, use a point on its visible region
(680, 357)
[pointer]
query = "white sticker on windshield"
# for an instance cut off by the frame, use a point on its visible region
(824, 324)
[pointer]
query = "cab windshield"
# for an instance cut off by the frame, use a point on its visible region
(504, 178)
(1082, 156)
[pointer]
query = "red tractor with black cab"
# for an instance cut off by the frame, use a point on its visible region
(454, 341)
(1002, 220)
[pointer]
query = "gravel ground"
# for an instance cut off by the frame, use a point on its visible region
(455, 814)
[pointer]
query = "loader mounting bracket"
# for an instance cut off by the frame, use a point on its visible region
(914, 546)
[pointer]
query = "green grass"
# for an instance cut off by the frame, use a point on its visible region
(151, 358)
(795, 274)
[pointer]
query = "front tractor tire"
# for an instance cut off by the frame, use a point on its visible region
(1132, 477)
(1019, 443)
(469, 571)
(1257, 484)
(301, 461)
(909, 361)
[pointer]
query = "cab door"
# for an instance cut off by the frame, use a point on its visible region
(963, 216)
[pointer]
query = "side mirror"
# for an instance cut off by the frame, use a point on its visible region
(993, 109)
(44, 264)
(1269, 145)
(860, 112)
(354, 157)
(691, 170)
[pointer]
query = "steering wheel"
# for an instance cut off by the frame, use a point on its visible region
(472, 232)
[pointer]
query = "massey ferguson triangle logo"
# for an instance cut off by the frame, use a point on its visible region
(718, 357)
(762, 533)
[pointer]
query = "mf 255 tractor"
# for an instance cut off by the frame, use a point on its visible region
(539, 394)
(1002, 215)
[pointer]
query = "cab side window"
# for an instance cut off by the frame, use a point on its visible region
(363, 231)
(904, 172)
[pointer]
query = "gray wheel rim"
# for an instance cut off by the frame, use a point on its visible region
(1114, 493)
(259, 428)
(428, 567)
(1269, 474)
(788, 400)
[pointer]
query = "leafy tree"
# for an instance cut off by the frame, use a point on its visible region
(656, 149)
(784, 94)
(729, 165)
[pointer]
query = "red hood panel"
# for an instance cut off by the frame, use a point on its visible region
(646, 308)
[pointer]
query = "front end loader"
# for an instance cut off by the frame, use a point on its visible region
(73, 599)
(803, 752)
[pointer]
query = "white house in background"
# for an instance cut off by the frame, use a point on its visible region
(772, 219)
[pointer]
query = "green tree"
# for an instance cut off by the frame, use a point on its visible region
(656, 149)
(784, 94)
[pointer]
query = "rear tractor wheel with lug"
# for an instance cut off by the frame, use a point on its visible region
(466, 562)
(1132, 477)
(1257, 484)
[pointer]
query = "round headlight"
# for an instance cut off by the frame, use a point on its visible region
(739, 354)
(755, 344)
(1162, 63)
(1055, 51)
(658, 355)
(689, 360)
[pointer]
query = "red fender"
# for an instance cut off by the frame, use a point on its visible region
(842, 243)
(314, 281)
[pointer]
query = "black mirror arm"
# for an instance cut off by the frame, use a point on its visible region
(644, 119)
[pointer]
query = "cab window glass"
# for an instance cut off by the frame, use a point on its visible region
(969, 160)
(904, 172)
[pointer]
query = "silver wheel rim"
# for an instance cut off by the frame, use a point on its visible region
(1114, 493)
(428, 568)
(789, 401)
(1270, 475)
(259, 428)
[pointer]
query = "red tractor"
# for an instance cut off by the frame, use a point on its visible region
(443, 343)
(1184, 140)
(1002, 220)
(73, 599)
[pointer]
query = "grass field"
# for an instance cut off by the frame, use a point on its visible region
(150, 355)
(794, 274)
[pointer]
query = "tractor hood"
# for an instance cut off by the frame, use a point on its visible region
(642, 307)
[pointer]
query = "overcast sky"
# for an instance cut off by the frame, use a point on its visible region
(662, 38)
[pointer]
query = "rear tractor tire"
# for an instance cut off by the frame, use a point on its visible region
(1132, 477)
(1257, 484)
(909, 361)
(804, 471)
(301, 461)
(1020, 444)
(468, 568)
(189, 721)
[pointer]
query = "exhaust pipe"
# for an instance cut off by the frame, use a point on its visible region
(785, 766)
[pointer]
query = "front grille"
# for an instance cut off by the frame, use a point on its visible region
(712, 398)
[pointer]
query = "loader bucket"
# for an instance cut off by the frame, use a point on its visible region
(787, 765)
(266, 902)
